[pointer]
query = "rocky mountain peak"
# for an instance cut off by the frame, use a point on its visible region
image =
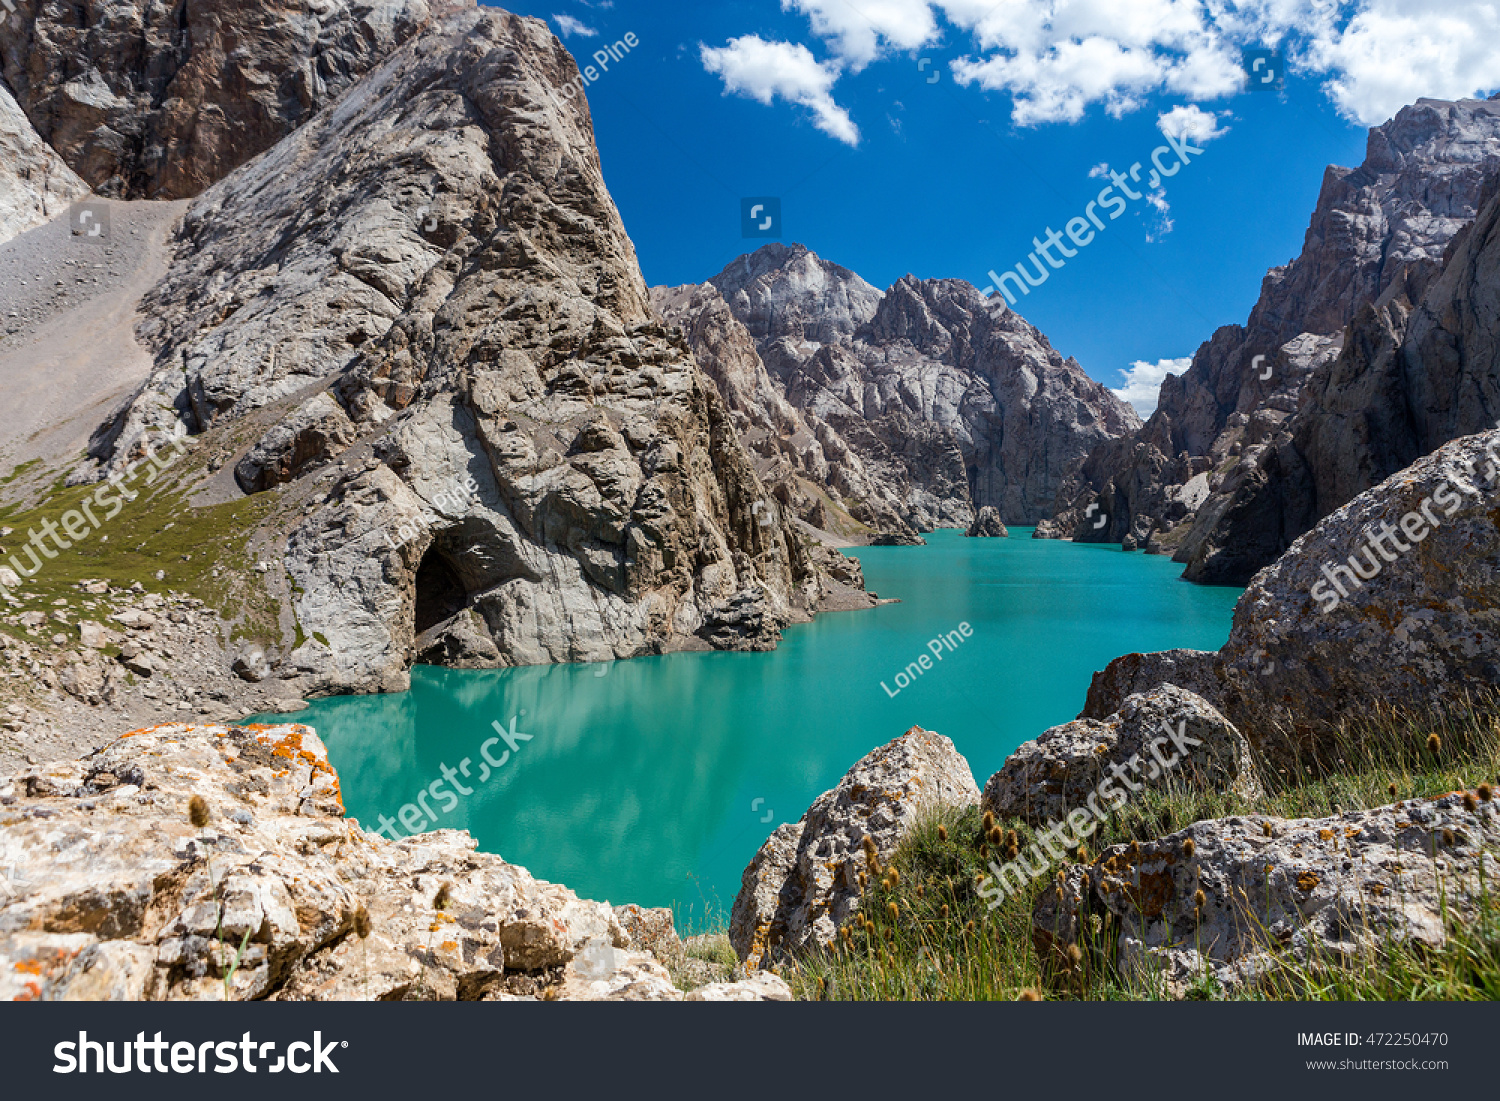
(789, 291)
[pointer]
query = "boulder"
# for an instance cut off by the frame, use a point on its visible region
(987, 524)
(1132, 674)
(1277, 891)
(804, 882)
(1313, 645)
(1061, 770)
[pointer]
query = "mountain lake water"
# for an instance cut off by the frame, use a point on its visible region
(655, 780)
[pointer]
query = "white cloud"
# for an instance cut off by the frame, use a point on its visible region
(1393, 52)
(1099, 170)
(1191, 122)
(1058, 58)
(568, 25)
(751, 66)
(857, 32)
(1143, 382)
(1157, 200)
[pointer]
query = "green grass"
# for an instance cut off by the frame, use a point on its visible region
(930, 936)
(201, 551)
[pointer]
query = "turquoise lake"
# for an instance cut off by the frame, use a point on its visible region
(655, 780)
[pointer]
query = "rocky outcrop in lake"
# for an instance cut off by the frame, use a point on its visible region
(1284, 419)
(987, 525)
(215, 863)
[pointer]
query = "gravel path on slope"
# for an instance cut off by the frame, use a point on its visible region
(68, 353)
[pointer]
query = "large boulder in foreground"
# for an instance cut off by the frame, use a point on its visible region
(1278, 891)
(109, 890)
(1315, 642)
(804, 882)
(1061, 770)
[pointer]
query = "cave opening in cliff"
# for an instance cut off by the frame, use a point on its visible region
(440, 592)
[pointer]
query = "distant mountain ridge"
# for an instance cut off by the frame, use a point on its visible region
(944, 403)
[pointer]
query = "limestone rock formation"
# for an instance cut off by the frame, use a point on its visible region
(812, 472)
(1419, 624)
(1280, 421)
(987, 525)
(137, 873)
(1131, 674)
(804, 882)
(1278, 894)
(35, 185)
(949, 404)
(150, 100)
(459, 305)
(1167, 736)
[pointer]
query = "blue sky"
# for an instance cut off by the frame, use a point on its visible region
(885, 171)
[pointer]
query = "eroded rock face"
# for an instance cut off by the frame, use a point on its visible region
(1277, 892)
(112, 891)
(1162, 737)
(987, 525)
(804, 882)
(459, 304)
(1279, 422)
(35, 185)
(933, 389)
(1420, 627)
(811, 470)
(152, 100)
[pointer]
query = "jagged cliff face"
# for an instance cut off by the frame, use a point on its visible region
(812, 471)
(420, 323)
(35, 185)
(157, 100)
(1216, 476)
(946, 405)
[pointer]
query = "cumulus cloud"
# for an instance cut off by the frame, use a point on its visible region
(568, 25)
(764, 71)
(859, 33)
(1194, 123)
(1056, 59)
(1099, 170)
(1143, 382)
